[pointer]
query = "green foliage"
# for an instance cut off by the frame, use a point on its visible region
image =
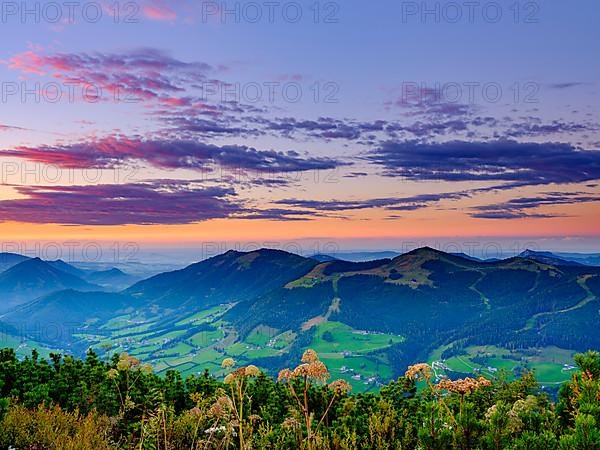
(68, 403)
(54, 428)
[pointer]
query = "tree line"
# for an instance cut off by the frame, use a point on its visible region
(69, 403)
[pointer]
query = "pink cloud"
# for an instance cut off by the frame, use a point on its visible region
(28, 62)
(159, 12)
(110, 152)
(4, 127)
(146, 74)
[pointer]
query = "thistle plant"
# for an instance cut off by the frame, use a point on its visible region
(461, 387)
(311, 372)
(128, 371)
(237, 381)
(424, 372)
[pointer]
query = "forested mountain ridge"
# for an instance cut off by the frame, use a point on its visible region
(33, 277)
(371, 319)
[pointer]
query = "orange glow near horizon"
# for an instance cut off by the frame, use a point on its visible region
(418, 224)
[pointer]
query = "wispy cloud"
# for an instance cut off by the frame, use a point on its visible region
(159, 10)
(4, 127)
(566, 85)
(510, 161)
(156, 202)
(519, 208)
(170, 154)
(150, 73)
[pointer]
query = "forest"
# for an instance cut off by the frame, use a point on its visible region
(119, 403)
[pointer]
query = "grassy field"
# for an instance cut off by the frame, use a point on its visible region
(349, 354)
(23, 347)
(206, 316)
(202, 340)
(551, 365)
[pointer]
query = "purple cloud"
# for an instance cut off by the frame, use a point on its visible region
(409, 203)
(156, 202)
(147, 73)
(522, 163)
(567, 85)
(171, 154)
(519, 208)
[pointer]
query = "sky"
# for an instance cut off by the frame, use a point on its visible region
(346, 125)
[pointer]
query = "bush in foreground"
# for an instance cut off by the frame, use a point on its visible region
(89, 404)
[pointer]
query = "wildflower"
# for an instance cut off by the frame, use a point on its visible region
(462, 386)
(122, 364)
(340, 387)
(285, 375)
(251, 371)
(229, 379)
(227, 363)
(127, 362)
(484, 382)
(213, 430)
(196, 412)
(220, 407)
(290, 423)
(112, 374)
(311, 371)
(420, 371)
(301, 370)
(316, 371)
(129, 404)
(310, 356)
(490, 412)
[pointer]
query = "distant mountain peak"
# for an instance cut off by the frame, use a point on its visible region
(422, 253)
(112, 271)
(530, 252)
(34, 264)
(31, 262)
(33, 278)
(547, 258)
(321, 257)
(261, 251)
(224, 278)
(270, 251)
(425, 251)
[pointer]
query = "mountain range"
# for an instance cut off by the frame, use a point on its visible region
(369, 319)
(33, 277)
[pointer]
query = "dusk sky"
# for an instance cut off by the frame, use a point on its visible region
(367, 124)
